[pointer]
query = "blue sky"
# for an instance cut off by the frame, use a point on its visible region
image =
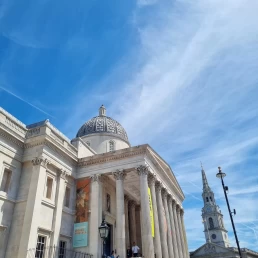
(179, 75)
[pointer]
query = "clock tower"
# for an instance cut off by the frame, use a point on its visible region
(214, 229)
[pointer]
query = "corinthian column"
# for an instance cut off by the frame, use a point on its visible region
(157, 243)
(147, 241)
(173, 227)
(95, 215)
(127, 236)
(163, 235)
(120, 213)
(183, 227)
(132, 222)
(181, 212)
(165, 203)
(178, 238)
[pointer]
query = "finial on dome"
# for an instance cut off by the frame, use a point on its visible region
(102, 111)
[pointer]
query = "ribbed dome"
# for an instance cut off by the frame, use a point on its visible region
(102, 124)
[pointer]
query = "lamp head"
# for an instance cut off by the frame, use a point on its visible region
(220, 174)
(103, 230)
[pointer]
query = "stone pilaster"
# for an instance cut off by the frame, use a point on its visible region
(147, 241)
(95, 216)
(162, 222)
(59, 200)
(33, 206)
(127, 234)
(120, 214)
(132, 222)
(169, 234)
(157, 243)
(173, 227)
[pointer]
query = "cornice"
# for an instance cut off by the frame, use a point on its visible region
(100, 160)
(11, 138)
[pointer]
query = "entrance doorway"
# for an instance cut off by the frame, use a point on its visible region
(109, 244)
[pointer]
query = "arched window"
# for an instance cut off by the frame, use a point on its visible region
(207, 199)
(111, 146)
(210, 198)
(211, 223)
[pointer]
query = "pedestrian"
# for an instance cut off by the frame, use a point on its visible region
(128, 252)
(112, 254)
(135, 250)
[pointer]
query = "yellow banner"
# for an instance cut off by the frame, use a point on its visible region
(151, 213)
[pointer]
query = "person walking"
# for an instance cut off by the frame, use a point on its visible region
(135, 250)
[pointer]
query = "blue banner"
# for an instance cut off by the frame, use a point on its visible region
(80, 234)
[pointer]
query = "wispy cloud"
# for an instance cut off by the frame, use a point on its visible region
(25, 101)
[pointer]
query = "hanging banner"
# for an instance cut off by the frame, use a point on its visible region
(80, 236)
(151, 213)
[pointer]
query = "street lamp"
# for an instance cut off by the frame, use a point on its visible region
(221, 175)
(103, 232)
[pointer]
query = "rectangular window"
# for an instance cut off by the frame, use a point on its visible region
(67, 197)
(62, 249)
(40, 247)
(49, 187)
(5, 184)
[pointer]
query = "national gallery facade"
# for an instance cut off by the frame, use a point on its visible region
(56, 192)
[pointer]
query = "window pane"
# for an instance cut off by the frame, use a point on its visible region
(49, 187)
(62, 246)
(40, 247)
(6, 179)
(67, 196)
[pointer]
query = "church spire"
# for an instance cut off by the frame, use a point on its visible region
(205, 184)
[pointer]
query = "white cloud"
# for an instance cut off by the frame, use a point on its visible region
(190, 89)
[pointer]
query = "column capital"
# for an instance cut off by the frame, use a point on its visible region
(170, 198)
(158, 186)
(63, 174)
(152, 179)
(164, 193)
(96, 178)
(143, 170)
(127, 199)
(132, 204)
(40, 161)
(182, 212)
(178, 209)
(119, 174)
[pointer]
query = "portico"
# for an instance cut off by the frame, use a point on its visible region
(126, 177)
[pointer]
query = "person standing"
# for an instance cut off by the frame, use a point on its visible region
(135, 250)
(128, 252)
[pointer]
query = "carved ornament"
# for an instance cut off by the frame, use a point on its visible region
(96, 178)
(119, 174)
(143, 170)
(40, 161)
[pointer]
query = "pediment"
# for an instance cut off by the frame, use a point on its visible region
(209, 249)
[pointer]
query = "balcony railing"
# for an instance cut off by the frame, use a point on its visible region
(56, 252)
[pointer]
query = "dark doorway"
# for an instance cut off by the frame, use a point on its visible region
(109, 246)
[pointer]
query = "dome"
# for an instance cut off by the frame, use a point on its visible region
(102, 124)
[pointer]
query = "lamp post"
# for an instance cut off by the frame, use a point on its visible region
(221, 175)
(103, 232)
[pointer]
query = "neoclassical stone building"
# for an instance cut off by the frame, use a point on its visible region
(55, 192)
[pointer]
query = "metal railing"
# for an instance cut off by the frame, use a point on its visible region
(56, 252)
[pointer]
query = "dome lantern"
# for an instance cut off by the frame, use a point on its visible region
(102, 111)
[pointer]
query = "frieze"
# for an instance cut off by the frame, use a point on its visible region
(12, 139)
(107, 159)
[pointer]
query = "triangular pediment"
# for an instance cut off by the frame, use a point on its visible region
(211, 249)
(164, 166)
